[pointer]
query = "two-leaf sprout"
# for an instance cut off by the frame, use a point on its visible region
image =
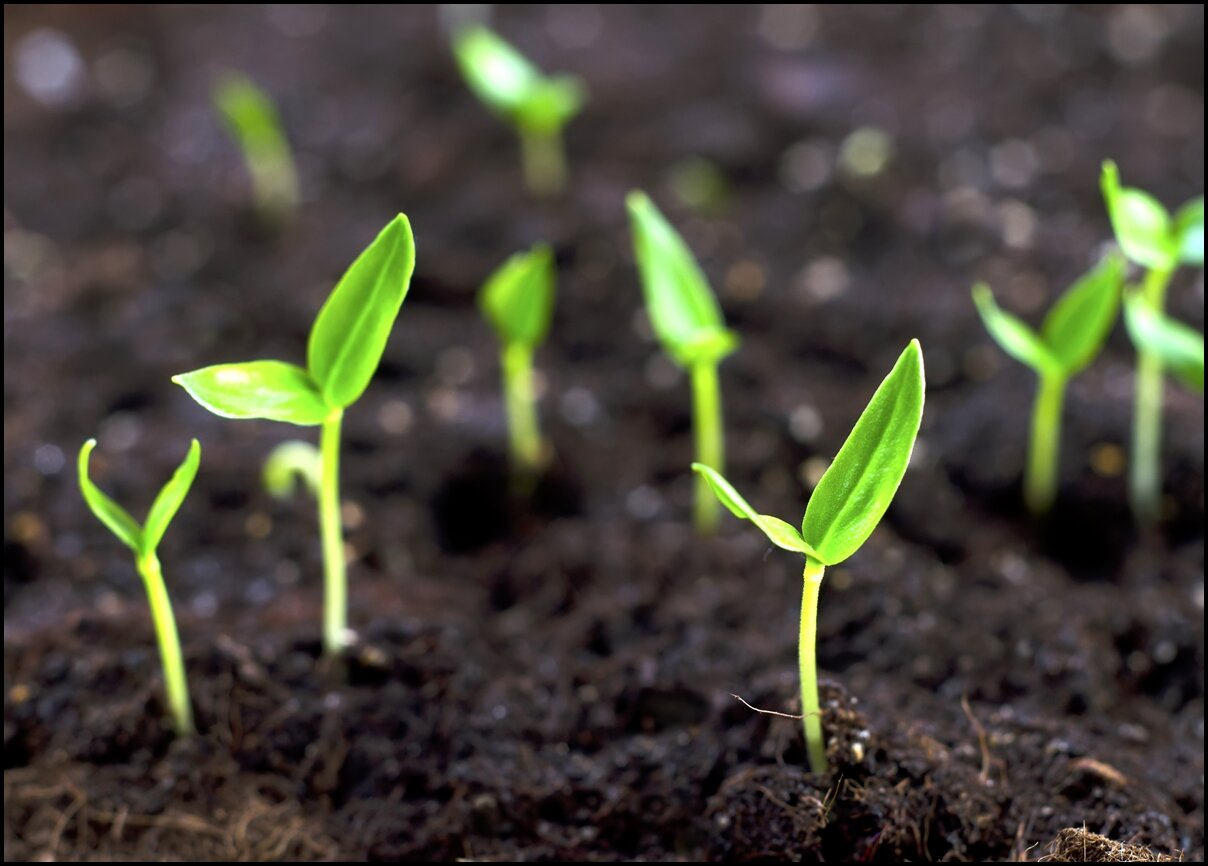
(346, 344)
(144, 541)
(518, 300)
(846, 506)
(538, 106)
(689, 324)
(253, 122)
(1159, 242)
(1071, 336)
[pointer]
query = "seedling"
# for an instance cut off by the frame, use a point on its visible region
(253, 122)
(538, 106)
(1158, 242)
(290, 464)
(518, 300)
(688, 322)
(1071, 336)
(846, 506)
(144, 541)
(346, 344)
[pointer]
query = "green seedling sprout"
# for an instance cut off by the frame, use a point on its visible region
(846, 506)
(346, 344)
(538, 106)
(1071, 336)
(518, 300)
(144, 541)
(290, 464)
(688, 322)
(253, 122)
(1158, 242)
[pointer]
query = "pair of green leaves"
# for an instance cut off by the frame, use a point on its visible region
(855, 491)
(518, 298)
(681, 305)
(1072, 333)
(346, 344)
(1146, 232)
(509, 84)
(1180, 348)
(144, 539)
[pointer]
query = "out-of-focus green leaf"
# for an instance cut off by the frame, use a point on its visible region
(1077, 326)
(1181, 348)
(1014, 336)
(518, 298)
(1142, 226)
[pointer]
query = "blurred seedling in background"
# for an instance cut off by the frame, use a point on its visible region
(845, 507)
(1070, 337)
(144, 541)
(291, 464)
(518, 300)
(538, 106)
(346, 344)
(1158, 242)
(689, 324)
(253, 123)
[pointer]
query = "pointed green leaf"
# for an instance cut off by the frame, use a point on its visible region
(854, 493)
(290, 462)
(681, 305)
(1189, 232)
(253, 122)
(1077, 326)
(1142, 226)
(518, 298)
(107, 511)
(1180, 347)
(779, 532)
(349, 336)
(257, 389)
(1013, 335)
(167, 503)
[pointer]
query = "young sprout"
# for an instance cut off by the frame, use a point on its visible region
(144, 541)
(538, 106)
(518, 299)
(252, 120)
(846, 506)
(1072, 334)
(688, 322)
(290, 464)
(1158, 242)
(346, 343)
(1178, 347)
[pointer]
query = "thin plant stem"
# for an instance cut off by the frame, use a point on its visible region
(335, 580)
(710, 440)
(544, 161)
(815, 742)
(175, 683)
(1040, 483)
(524, 437)
(1145, 476)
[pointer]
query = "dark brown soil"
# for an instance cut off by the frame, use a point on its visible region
(556, 681)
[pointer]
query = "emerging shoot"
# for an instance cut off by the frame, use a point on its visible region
(346, 344)
(144, 541)
(518, 300)
(290, 464)
(253, 122)
(538, 106)
(1071, 336)
(1158, 242)
(846, 506)
(688, 322)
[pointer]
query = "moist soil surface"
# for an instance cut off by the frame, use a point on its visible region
(556, 677)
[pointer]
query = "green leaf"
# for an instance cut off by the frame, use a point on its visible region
(107, 511)
(167, 503)
(1189, 232)
(854, 493)
(1078, 324)
(1179, 347)
(779, 532)
(349, 336)
(254, 124)
(1142, 226)
(1013, 335)
(257, 389)
(518, 298)
(290, 462)
(682, 308)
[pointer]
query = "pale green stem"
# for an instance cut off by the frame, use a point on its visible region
(544, 161)
(815, 742)
(175, 683)
(710, 440)
(1145, 476)
(335, 604)
(524, 437)
(1040, 483)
